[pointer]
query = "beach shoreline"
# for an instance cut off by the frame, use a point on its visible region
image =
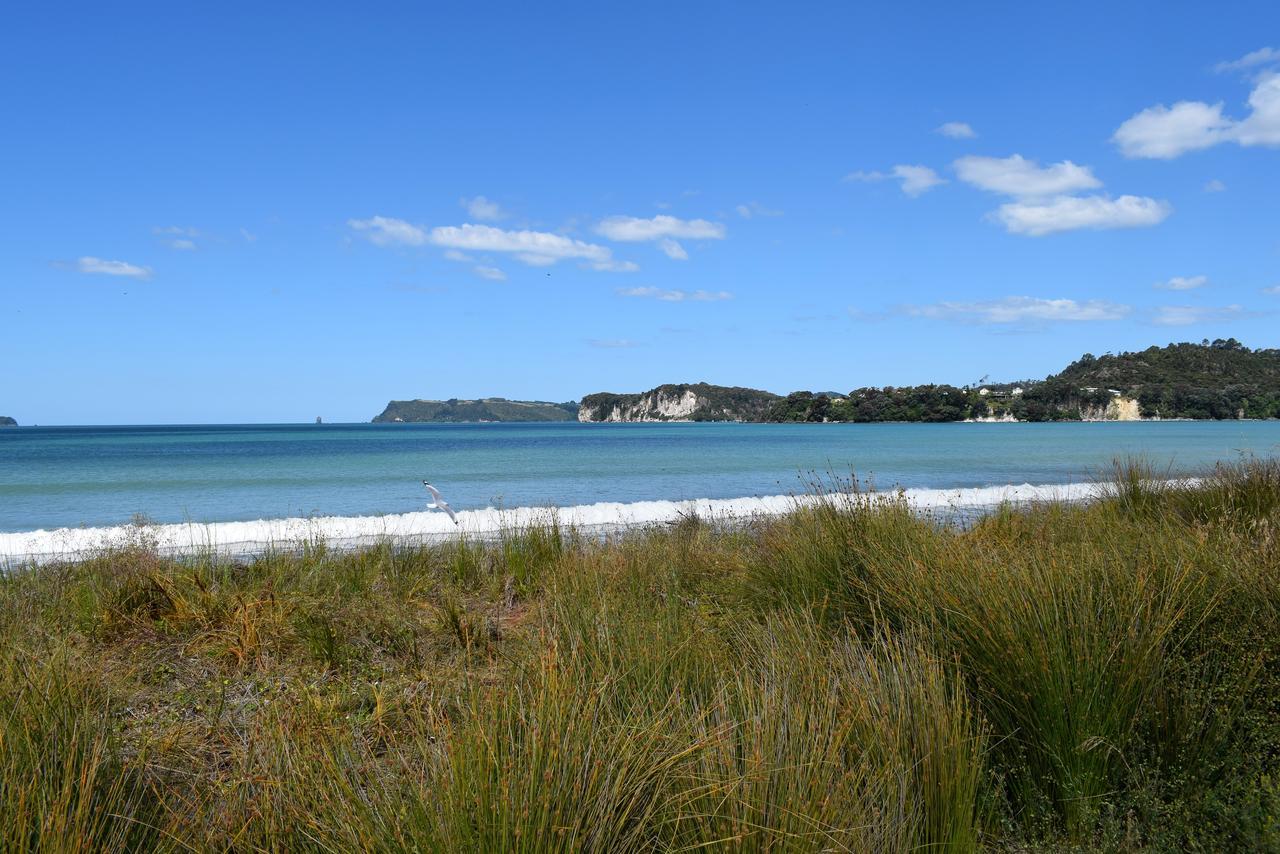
(249, 538)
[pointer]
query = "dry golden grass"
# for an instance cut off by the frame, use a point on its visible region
(847, 677)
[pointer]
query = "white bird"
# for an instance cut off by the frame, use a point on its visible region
(438, 502)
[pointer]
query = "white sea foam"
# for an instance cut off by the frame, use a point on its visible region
(243, 538)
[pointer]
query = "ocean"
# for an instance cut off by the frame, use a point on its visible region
(71, 485)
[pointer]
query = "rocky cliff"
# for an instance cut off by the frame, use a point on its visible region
(679, 402)
(1117, 409)
(6, 421)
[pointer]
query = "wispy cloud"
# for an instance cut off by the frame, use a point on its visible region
(675, 295)
(177, 236)
(535, 248)
(483, 209)
(1018, 176)
(1164, 133)
(750, 209)
(1183, 283)
(389, 231)
(956, 130)
(248, 236)
(1186, 315)
(1021, 309)
(493, 274)
(1214, 186)
(1274, 290)
(1069, 213)
(612, 343)
(914, 180)
(89, 264)
(1261, 56)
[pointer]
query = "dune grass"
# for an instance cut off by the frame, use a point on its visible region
(849, 677)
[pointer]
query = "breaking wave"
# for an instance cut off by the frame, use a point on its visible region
(247, 538)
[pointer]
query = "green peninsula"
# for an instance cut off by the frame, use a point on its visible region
(483, 409)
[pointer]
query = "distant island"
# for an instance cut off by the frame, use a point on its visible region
(1218, 379)
(6, 421)
(484, 409)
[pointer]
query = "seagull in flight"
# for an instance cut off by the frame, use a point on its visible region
(438, 502)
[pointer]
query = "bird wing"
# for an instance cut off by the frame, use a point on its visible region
(440, 503)
(446, 508)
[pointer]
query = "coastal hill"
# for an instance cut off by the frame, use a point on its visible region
(484, 409)
(682, 402)
(1210, 380)
(6, 421)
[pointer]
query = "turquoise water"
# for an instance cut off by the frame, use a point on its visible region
(72, 476)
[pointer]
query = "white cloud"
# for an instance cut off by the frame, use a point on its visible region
(662, 229)
(673, 250)
(1018, 176)
(1022, 310)
(1068, 213)
(1262, 126)
(483, 209)
(491, 273)
(89, 264)
(535, 248)
(249, 236)
(750, 209)
(1166, 132)
(1185, 315)
(1274, 290)
(1183, 283)
(915, 180)
(675, 295)
(956, 130)
(455, 255)
(635, 229)
(1262, 56)
(387, 231)
(1214, 186)
(611, 343)
(183, 244)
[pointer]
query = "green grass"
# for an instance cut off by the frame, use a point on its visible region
(849, 677)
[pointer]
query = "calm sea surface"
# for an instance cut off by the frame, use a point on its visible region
(71, 476)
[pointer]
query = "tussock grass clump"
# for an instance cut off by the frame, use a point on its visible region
(65, 784)
(850, 676)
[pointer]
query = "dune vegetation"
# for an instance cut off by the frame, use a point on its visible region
(851, 676)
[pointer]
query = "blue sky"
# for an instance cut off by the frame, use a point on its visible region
(268, 212)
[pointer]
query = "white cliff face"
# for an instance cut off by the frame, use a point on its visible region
(651, 407)
(672, 407)
(1117, 409)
